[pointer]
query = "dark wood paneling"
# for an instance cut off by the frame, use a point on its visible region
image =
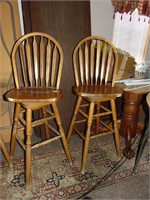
(68, 22)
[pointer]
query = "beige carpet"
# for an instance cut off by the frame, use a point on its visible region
(53, 178)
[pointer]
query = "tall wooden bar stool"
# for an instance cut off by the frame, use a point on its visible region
(37, 60)
(95, 62)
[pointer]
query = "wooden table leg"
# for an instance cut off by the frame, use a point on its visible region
(129, 120)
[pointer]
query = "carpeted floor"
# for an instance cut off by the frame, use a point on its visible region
(136, 188)
(53, 178)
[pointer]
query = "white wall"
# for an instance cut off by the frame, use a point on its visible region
(102, 22)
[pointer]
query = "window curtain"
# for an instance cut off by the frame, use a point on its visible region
(125, 6)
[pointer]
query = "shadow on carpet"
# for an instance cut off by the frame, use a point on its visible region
(53, 178)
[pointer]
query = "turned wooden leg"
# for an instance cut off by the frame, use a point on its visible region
(46, 124)
(128, 152)
(14, 130)
(87, 137)
(129, 120)
(97, 119)
(61, 130)
(74, 117)
(117, 141)
(28, 145)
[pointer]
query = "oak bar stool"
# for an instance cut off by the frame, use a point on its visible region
(5, 152)
(37, 60)
(95, 62)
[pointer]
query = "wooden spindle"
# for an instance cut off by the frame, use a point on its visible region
(48, 62)
(92, 62)
(86, 63)
(108, 65)
(81, 65)
(98, 48)
(42, 59)
(104, 52)
(29, 65)
(22, 64)
(35, 60)
(53, 65)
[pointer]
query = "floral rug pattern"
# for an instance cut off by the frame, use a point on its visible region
(53, 178)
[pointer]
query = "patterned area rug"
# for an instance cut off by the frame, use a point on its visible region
(53, 177)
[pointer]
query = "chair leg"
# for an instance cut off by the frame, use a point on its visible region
(5, 152)
(14, 130)
(97, 119)
(45, 124)
(61, 130)
(87, 137)
(74, 117)
(28, 145)
(113, 107)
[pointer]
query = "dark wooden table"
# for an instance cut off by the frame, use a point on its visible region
(129, 119)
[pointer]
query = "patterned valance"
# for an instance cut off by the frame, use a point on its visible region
(128, 6)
